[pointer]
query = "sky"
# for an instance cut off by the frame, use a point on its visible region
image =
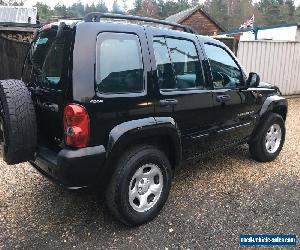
(108, 3)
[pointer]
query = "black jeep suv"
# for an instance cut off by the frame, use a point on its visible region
(122, 104)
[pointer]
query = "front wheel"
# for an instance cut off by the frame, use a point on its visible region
(140, 185)
(270, 139)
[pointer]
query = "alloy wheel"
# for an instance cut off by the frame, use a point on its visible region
(145, 187)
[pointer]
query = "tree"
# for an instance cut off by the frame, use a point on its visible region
(116, 7)
(195, 3)
(60, 10)
(170, 7)
(277, 11)
(44, 11)
(291, 6)
(218, 9)
(149, 9)
(239, 11)
(76, 10)
(90, 8)
(297, 14)
(137, 7)
(125, 6)
(101, 7)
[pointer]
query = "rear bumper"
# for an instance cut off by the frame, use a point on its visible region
(72, 169)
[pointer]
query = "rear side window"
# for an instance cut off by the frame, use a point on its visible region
(178, 65)
(165, 71)
(119, 64)
(47, 57)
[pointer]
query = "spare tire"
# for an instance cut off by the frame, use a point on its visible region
(18, 126)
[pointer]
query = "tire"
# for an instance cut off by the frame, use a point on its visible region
(18, 129)
(129, 177)
(268, 144)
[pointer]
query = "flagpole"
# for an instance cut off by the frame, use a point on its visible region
(254, 28)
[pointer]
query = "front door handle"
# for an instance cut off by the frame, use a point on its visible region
(223, 98)
(168, 102)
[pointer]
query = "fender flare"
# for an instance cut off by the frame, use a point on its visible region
(149, 127)
(270, 104)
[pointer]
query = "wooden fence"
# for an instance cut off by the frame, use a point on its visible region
(12, 56)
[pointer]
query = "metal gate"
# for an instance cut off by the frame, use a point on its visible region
(276, 62)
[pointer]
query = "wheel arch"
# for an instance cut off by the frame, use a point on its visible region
(160, 132)
(272, 104)
(275, 104)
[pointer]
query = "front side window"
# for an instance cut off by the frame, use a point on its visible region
(225, 72)
(178, 65)
(119, 64)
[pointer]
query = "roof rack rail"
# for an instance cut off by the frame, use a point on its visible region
(96, 16)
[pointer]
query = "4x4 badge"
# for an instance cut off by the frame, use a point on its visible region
(96, 101)
(245, 113)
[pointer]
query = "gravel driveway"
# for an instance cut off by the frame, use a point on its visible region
(211, 203)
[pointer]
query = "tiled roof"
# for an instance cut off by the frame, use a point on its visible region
(180, 15)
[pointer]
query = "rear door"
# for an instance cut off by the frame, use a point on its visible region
(47, 73)
(235, 107)
(181, 89)
(121, 79)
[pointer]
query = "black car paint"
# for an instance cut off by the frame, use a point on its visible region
(50, 100)
(196, 124)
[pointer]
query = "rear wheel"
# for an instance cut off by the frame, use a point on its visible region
(18, 132)
(140, 185)
(270, 139)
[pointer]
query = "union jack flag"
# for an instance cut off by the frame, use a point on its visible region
(248, 23)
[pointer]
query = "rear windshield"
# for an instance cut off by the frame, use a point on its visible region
(47, 57)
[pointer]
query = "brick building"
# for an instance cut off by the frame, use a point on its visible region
(198, 19)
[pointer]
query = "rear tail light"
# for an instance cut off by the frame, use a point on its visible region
(76, 126)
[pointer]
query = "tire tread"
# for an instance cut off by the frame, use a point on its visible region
(113, 190)
(256, 148)
(19, 121)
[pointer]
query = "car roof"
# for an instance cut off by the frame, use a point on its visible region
(163, 28)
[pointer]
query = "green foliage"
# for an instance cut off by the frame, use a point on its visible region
(277, 11)
(116, 7)
(101, 7)
(61, 10)
(232, 13)
(44, 11)
(297, 14)
(76, 10)
(170, 7)
(218, 9)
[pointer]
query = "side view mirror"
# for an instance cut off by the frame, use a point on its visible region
(253, 80)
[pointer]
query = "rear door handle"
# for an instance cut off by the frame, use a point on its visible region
(223, 98)
(50, 106)
(168, 102)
